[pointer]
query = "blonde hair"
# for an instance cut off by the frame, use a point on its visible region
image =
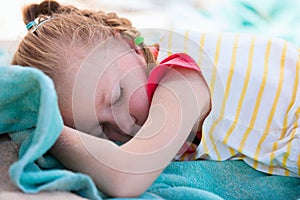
(48, 47)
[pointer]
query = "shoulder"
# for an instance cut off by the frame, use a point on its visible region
(178, 63)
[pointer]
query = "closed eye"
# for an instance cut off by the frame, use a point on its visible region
(119, 99)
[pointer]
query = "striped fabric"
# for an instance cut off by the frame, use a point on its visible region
(254, 85)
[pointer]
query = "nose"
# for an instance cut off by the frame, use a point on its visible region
(128, 117)
(122, 131)
(127, 124)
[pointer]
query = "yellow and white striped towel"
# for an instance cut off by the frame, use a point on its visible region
(254, 84)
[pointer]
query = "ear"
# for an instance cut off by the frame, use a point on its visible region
(154, 49)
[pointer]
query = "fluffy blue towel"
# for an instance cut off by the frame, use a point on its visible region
(29, 112)
(233, 180)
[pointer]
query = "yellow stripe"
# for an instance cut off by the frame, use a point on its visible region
(298, 163)
(227, 90)
(232, 151)
(212, 83)
(285, 122)
(258, 99)
(201, 49)
(289, 145)
(216, 60)
(274, 105)
(272, 156)
(275, 144)
(243, 94)
(201, 52)
(186, 41)
(170, 40)
(286, 155)
(295, 89)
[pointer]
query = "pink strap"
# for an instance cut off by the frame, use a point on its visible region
(175, 60)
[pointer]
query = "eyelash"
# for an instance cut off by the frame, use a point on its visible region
(120, 97)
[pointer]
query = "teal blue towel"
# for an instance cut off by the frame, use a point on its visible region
(233, 180)
(30, 114)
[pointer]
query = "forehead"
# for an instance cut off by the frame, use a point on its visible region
(94, 58)
(100, 64)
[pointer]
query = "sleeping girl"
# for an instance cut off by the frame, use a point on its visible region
(127, 115)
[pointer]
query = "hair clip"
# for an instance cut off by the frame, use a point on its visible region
(30, 25)
(138, 40)
(41, 23)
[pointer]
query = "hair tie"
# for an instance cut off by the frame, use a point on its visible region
(30, 25)
(138, 40)
(41, 23)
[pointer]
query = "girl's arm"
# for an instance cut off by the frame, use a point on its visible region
(180, 100)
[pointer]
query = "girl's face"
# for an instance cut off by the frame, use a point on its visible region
(106, 92)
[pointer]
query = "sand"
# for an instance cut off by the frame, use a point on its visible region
(9, 154)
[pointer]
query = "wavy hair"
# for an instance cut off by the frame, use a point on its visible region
(62, 28)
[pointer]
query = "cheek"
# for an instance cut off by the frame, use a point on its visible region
(134, 79)
(139, 105)
(73, 117)
(76, 105)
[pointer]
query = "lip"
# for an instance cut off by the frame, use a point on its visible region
(117, 135)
